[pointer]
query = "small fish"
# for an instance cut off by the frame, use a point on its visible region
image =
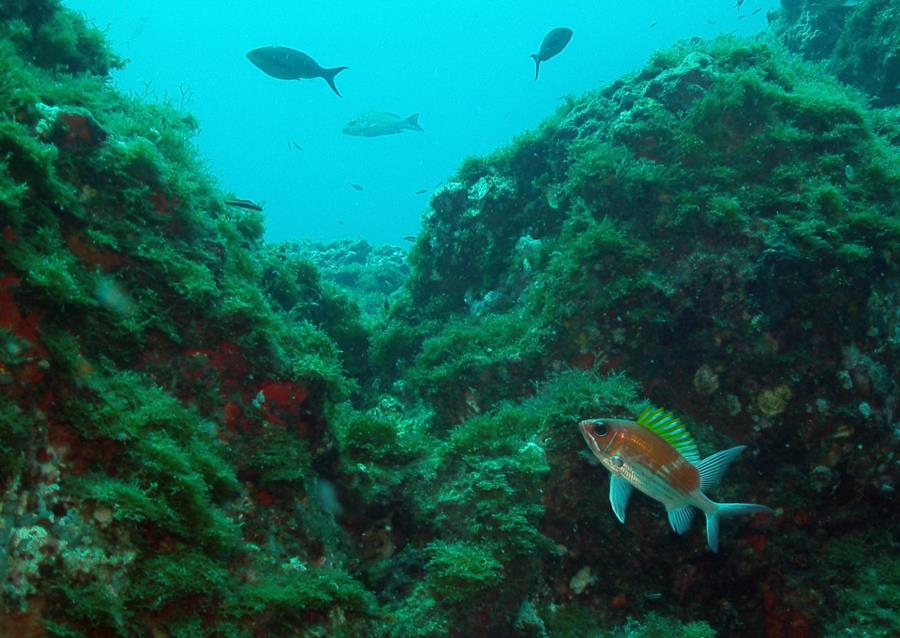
(421, 191)
(738, 4)
(295, 145)
(342, 223)
(756, 10)
(409, 237)
(246, 204)
(356, 187)
(652, 24)
(657, 456)
(378, 123)
(288, 64)
(554, 42)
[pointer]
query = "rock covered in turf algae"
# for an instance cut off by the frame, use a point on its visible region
(723, 227)
(165, 382)
(371, 274)
(858, 40)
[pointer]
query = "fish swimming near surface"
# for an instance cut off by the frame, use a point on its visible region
(553, 43)
(378, 123)
(288, 64)
(656, 455)
(356, 187)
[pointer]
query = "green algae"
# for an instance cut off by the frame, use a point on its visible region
(867, 593)
(232, 451)
(462, 572)
(711, 211)
(157, 385)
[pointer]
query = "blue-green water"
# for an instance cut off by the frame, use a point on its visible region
(464, 66)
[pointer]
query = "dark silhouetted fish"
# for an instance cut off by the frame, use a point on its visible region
(287, 64)
(244, 203)
(553, 43)
(378, 123)
(356, 187)
(421, 191)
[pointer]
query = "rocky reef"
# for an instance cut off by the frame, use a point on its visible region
(369, 274)
(167, 383)
(717, 234)
(856, 39)
(203, 435)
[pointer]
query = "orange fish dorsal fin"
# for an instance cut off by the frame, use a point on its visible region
(671, 430)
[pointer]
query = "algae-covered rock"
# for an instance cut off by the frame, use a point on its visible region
(858, 40)
(200, 435)
(166, 381)
(717, 234)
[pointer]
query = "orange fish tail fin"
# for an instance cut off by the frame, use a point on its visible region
(728, 510)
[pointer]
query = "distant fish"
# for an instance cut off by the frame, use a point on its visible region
(756, 10)
(652, 24)
(288, 64)
(246, 204)
(295, 145)
(409, 237)
(139, 27)
(553, 43)
(421, 191)
(378, 123)
(356, 187)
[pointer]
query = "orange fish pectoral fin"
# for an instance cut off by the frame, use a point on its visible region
(680, 519)
(619, 492)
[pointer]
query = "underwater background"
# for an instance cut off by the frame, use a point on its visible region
(463, 66)
(214, 424)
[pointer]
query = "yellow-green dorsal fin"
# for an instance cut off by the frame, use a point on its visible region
(669, 428)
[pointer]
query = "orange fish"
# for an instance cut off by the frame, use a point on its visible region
(657, 456)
